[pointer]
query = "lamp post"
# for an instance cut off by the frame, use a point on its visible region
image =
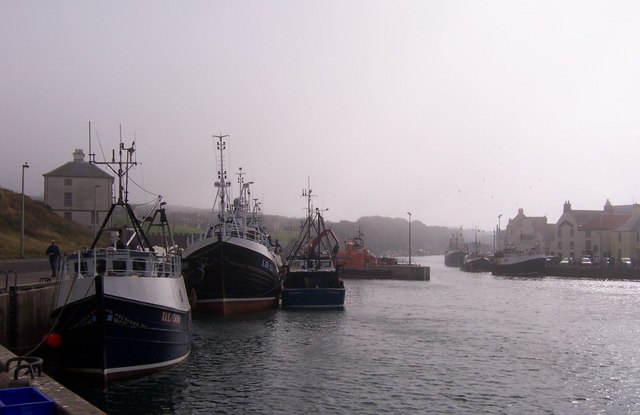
(95, 207)
(24, 166)
(409, 213)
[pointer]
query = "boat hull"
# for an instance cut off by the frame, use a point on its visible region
(476, 264)
(525, 265)
(305, 298)
(239, 276)
(454, 258)
(313, 288)
(122, 327)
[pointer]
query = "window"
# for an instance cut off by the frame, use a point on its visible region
(68, 198)
(68, 182)
(587, 246)
(139, 265)
(559, 246)
(619, 238)
(587, 234)
(559, 233)
(571, 233)
(571, 246)
(67, 215)
(119, 266)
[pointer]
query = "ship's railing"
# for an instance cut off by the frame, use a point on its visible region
(121, 262)
(303, 264)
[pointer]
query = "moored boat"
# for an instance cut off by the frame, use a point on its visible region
(235, 263)
(312, 279)
(518, 263)
(356, 261)
(121, 311)
(476, 262)
(456, 250)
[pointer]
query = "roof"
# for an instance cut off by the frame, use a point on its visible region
(631, 225)
(78, 169)
(606, 222)
(583, 217)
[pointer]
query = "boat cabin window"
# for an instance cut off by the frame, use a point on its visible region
(297, 265)
(139, 265)
(80, 268)
(325, 264)
(119, 266)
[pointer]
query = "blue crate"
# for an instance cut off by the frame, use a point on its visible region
(25, 401)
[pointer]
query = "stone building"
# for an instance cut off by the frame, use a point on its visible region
(79, 191)
(625, 240)
(613, 232)
(529, 233)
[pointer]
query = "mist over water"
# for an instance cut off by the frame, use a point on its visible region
(460, 343)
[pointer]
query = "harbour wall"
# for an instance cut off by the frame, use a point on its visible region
(24, 315)
(390, 272)
(609, 273)
(409, 272)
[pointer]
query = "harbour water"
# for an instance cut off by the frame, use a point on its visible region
(460, 343)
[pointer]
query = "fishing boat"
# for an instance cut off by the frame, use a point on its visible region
(517, 262)
(456, 250)
(121, 311)
(234, 267)
(312, 279)
(476, 261)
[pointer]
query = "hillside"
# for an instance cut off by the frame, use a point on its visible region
(41, 225)
(382, 235)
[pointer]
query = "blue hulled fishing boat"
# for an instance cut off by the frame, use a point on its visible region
(312, 279)
(122, 311)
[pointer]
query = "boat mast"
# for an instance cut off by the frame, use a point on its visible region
(121, 168)
(222, 183)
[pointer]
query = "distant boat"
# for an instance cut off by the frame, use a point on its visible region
(122, 311)
(357, 262)
(519, 263)
(233, 267)
(456, 250)
(312, 279)
(476, 261)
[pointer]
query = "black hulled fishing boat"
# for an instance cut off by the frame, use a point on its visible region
(233, 267)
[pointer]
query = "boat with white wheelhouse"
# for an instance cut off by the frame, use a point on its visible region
(122, 310)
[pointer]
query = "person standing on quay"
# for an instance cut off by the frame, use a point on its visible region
(53, 252)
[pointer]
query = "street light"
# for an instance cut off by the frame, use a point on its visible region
(24, 166)
(409, 213)
(95, 208)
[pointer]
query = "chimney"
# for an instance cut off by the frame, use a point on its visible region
(608, 208)
(567, 207)
(78, 155)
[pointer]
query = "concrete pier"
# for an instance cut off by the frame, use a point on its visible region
(67, 402)
(26, 301)
(390, 272)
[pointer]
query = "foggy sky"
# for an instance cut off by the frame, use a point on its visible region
(454, 110)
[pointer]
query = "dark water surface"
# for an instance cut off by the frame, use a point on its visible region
(460, 343)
